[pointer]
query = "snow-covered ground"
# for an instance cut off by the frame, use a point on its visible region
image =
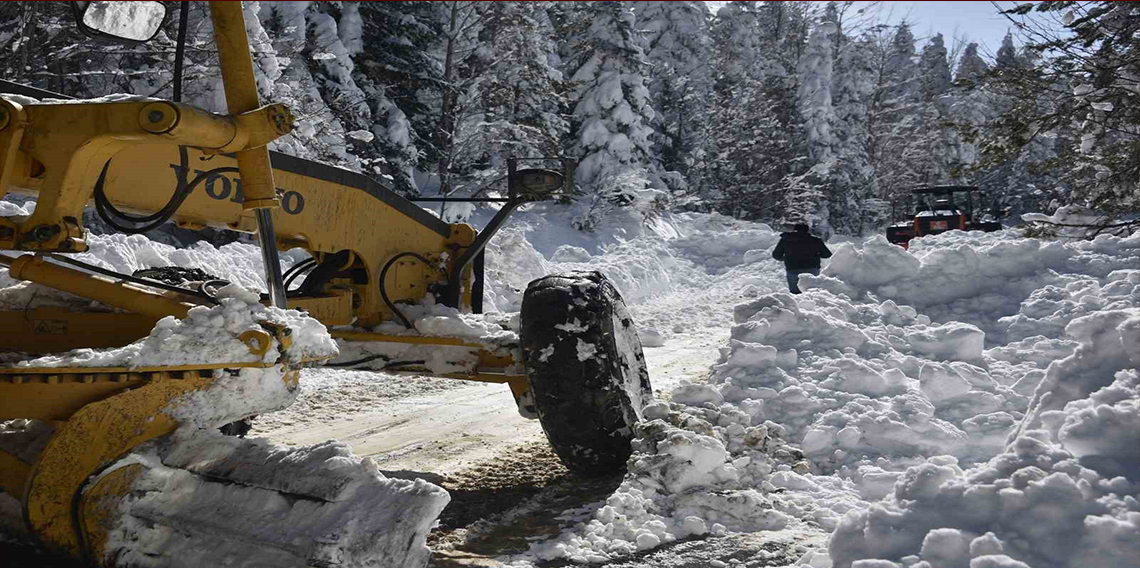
(973, 402)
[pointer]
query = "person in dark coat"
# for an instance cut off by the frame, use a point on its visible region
(801, 253)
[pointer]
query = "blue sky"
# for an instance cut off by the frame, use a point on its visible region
(977, 21)
(974, 21)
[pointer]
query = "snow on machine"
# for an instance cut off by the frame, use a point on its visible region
(111, 403)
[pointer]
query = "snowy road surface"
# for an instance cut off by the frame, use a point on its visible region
(434, 433)
(440, 429)
(439, 426)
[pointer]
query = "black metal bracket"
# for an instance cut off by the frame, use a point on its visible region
(454, 288)
(516, 197)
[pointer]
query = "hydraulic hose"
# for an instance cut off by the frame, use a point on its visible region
(383, 291)
(297, 270)
(112, 216)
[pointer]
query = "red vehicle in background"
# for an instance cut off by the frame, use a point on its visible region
(937, 209)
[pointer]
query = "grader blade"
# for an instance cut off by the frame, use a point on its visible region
(134, 470)
(144, 478)
(208, 499)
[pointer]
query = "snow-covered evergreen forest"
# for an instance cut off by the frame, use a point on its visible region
(776, 112)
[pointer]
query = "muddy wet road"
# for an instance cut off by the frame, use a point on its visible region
(500, 507)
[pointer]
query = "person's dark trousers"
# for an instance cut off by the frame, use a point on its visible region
(794, 278)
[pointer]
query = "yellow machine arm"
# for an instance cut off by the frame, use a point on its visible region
(66, 152)
(135, 155)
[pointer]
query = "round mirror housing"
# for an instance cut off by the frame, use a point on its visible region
(537, 183)
(131, 22)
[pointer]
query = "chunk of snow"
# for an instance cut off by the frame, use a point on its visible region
(361, 135)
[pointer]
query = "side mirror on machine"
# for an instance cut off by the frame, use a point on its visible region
(541, 183)
(535, 184)
(131, 22)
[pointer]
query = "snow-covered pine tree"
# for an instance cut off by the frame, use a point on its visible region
(379, 135)
(1006, 57)
(783, 31)
(306, 66)
(1014, 181)
(834, 99)
(895, 114)
(735, 33)
(808, 196)
(856, 208)
(521, 90)
(676, 40)
(902, 65)
(752, 138)
(612, 116)
(934, 69)
(510, 96)
(968, 112)
(936, 133)
(971, 66)
(394, 69)
(452, 102)
(967, 109)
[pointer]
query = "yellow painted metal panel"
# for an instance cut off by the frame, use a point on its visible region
(411, 339)
(13, 474)
(58, 400)
(317, 214)
(54, 329)
(333, 309)
(64, 148)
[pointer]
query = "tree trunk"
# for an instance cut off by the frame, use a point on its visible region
(446, 133)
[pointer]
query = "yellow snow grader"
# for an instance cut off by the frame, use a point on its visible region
(141, 163)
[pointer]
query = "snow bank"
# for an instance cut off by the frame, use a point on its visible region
(639, 268)
(676, 272)
(982, 386)
(512, 263)
(1063, 493)
(687, 476)
(973, 277)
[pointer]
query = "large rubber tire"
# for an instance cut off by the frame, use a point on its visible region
(586, 369)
